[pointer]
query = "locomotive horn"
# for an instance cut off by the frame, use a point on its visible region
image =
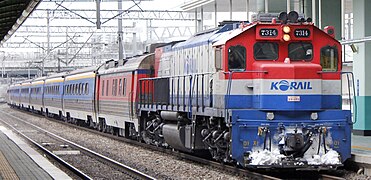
(293, 16)
(282, 16)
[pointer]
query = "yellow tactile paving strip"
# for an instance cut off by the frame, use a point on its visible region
(361, 147)
(6, 171)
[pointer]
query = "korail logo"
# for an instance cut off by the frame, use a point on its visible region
(285, 85)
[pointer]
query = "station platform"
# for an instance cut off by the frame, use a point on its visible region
(19, 161)
(361, 153)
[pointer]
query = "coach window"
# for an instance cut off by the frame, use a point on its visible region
(265, 51)
(86, 88)
(107, 87)
(329, 58)
(81, 88)
(237, 58)
(78, 89)
(124, 87)
(114, 86)
(300, 51)
(103, 88)
(120, 87)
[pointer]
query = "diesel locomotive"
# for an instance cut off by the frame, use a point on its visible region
(265, 94)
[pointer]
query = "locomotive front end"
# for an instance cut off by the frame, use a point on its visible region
(295, 119)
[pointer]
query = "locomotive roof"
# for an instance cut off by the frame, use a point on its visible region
(227, 36)
(207, 36)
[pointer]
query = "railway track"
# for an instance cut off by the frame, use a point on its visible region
(243, 173)
(61, 150)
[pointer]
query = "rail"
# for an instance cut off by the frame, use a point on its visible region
(49, 153)
(133, 172)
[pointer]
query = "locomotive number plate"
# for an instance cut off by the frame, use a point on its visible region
(268, 32)
(293, 98)
(302, 32)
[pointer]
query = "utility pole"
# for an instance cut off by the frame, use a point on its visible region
(47, 40)
(98, 14)
(120, 33)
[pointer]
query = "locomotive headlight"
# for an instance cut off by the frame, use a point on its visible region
(286, 37)
(286, 29)
(314, 116)
(270, 115)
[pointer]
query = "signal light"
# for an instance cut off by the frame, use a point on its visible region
(286, 29)
(286, 37)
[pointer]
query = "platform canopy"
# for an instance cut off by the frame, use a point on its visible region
(12, 14)
(223, 5)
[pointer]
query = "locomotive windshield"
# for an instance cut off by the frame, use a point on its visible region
(266, 51)
(300, 51)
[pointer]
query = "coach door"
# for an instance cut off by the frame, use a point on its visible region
(131, 93)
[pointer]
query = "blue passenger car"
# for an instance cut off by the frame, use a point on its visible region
(36, 94)
(53, 93)
(78, 99)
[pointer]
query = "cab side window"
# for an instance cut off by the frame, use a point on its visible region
(329, 58)
(237, 58)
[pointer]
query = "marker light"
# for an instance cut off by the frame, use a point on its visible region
(314, 116)
(286, 37)
(270, 115)
(286, 29)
